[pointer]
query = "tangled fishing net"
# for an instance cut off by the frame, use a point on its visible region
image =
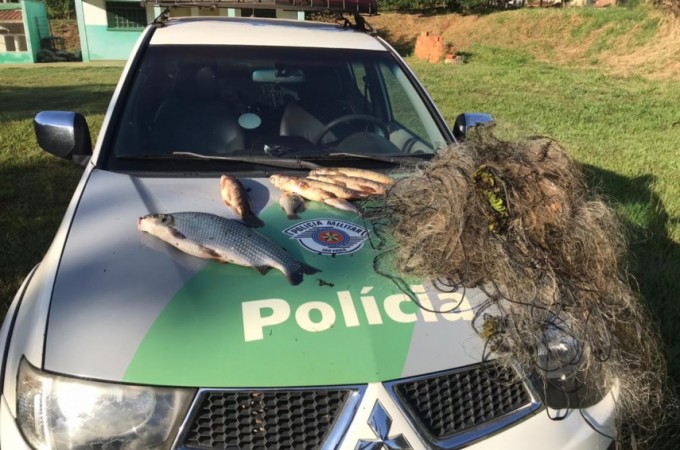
(518, 221)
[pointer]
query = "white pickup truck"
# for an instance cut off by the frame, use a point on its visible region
(118, 340)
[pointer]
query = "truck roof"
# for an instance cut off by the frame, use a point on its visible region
(262, 32)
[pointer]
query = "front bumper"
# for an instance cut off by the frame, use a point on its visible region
(364, 429)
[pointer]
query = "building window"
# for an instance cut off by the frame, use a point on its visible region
(125, 15)
(12, 37)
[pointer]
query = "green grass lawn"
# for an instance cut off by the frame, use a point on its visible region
(625, 132)
(35, 187)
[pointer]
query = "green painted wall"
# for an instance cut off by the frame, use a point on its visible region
(33, 12)
(84, 43)
(106, 44)
(16, 57)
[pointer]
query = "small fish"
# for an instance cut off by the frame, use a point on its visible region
(352, 172)
(299, 186)
(292, 204)
(367, 187)
(234, 195)
(335, 189)
(303, 188)
(225, 240)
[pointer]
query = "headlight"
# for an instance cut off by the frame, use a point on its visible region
(56, 412)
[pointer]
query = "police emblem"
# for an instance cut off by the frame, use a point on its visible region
(328, 236)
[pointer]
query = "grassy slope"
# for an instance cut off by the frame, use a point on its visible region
(617, 41)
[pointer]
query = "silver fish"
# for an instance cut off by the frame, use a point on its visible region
(225, 240)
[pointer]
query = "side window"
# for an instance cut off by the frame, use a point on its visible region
(402, 108)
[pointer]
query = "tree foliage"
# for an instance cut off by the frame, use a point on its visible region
(60, 9)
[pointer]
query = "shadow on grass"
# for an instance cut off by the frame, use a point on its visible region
(19, 103)
(655, 264)
(32, 206)
(403, 45)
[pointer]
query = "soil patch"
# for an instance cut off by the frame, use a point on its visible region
(68, 30)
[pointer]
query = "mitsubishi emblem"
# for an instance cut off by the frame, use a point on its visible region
(380, 422)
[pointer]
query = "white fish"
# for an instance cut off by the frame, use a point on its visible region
(352, 172)
(303, 188)
(363, 185)
(225, 240)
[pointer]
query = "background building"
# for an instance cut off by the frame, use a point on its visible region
(23, 26)
(108, 29)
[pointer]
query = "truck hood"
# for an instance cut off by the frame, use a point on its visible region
(128, 307)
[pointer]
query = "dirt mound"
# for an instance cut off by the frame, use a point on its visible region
(648, 46)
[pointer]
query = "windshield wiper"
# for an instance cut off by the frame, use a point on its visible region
(387, 159)
(286, 163)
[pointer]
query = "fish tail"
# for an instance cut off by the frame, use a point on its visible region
(308, 269)
(252, 220)
(295, 277)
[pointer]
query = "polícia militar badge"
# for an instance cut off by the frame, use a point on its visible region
(328, 236)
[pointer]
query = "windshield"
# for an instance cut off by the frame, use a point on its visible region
(272, 102)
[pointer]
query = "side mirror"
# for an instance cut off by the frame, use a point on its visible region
(64, 134)
(466, 121)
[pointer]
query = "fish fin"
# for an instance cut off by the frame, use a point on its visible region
(176, 233)
(210, 253)
(252, 220)
(262, 269)
(309, 269)
(295, 278)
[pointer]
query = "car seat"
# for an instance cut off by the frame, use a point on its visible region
(195, 119)
(322, 99)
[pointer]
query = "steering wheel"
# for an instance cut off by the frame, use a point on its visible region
(350, 118)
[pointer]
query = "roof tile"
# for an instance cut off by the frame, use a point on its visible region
(10, 15)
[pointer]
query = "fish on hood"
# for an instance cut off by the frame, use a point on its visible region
(304, 189)
(225, 240)
(355, 173)
(234, 194)
(292, 204)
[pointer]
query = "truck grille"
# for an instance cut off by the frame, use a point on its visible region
(300, 419)
(455, 402)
